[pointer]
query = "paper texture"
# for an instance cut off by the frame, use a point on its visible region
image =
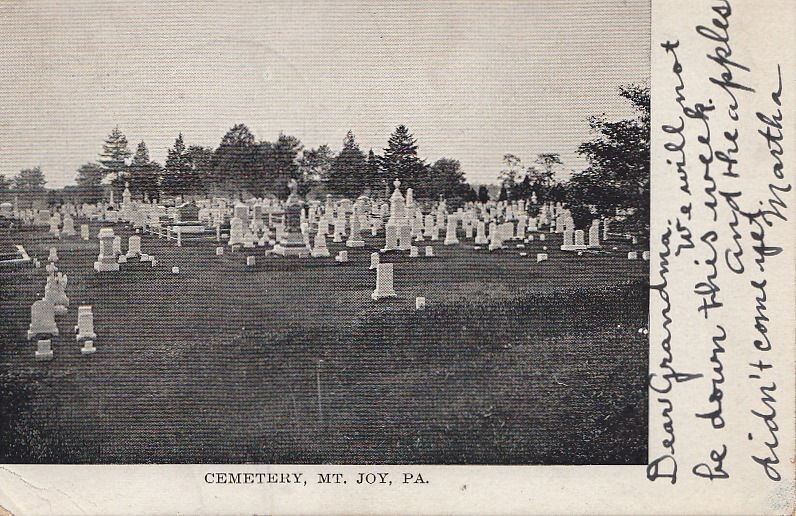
(721, 322)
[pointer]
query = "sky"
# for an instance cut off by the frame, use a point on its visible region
(471, 80)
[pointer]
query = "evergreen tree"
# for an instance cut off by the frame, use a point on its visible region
(140, 171)
(483, 194)
(445, 178)
(315, 164)
(115, 152)
(89, 181)
(400, 159)
(200, 164)
(348, 176)
(376, 181)
(235, 162)
(30, 180)
(177, 169)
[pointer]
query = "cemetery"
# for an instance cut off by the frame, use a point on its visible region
(368, 330)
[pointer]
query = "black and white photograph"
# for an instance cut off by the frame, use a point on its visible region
(305, 232)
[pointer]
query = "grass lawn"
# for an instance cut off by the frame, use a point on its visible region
(513, 362)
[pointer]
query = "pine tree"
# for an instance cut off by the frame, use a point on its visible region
(400, 158)
(115, 152)
(483, 194)
(348, 175)
(30, 180)
(236, 162)
(177, 169)
(374, 177)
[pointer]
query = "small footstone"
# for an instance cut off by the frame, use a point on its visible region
(219, 251)
(88, 347)
(420, 303)
(250, 260)
(175, 270)
(541, 257)
(44, 350)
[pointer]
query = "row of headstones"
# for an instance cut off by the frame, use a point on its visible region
(43, 326)
(110, 252)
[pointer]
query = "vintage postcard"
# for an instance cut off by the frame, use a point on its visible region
(363, 257)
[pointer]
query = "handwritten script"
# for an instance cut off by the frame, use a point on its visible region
(714, 252)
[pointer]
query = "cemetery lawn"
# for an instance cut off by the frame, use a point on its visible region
(512, 362)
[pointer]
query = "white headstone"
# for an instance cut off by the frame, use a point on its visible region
(384, 282)
(106, 261)
(84, 232)
(632, 255)
(85, 324)
(44, 349)
(420, 303)
(219, 251)
(134, 246)
(480, 233)
(541, 257)
(374, 260)
(645, 256)
(175, 270)
(450, 231)
(342, 257)
(429, 251)
(250, 261)
(42, 319)
(594, 234)
(320, 250)
(53, 256)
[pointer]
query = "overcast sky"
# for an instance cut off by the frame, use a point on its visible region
(471, 82)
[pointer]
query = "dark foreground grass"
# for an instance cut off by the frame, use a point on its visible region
(512, 362)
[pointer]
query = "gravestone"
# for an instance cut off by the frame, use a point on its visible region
(480, 233)
(117, 246)
(355, 237)
(44, 349)
(84, 232)
(374, 260)
(42, 319)
(219, 251)
(88, 347)
(55, 292)
(428, 226)
(580, 244)
(541, 257)
(236, 236)
(250, 261)
(632, 255)
(342, 257)
(55, 223)
(420, 303)
(645, 256)
(569, 240)
(594, 235)
(413, 252)
(69, 226)
(85, 324)
(450, 231)
(384, 282)
(429, 251)
(53, 256)
(292, 243)
(320, 250)
(134, 247)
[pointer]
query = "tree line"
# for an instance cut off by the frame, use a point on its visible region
(243, 166)
(617, 177)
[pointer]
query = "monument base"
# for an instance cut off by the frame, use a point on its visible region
(355, 243)
(88, 348)
(320, 253)
(376, 295)
(288, 249)
(106, 267)
(44, 355)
